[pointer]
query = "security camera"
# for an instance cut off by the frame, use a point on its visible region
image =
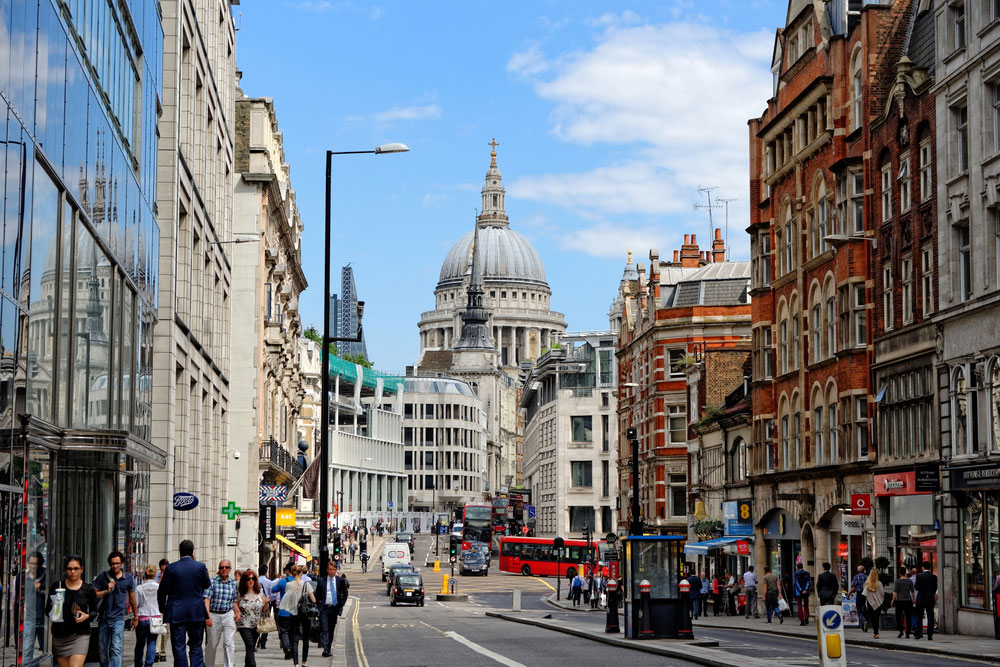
(236, 455)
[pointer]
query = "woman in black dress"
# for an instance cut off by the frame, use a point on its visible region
(71, 633)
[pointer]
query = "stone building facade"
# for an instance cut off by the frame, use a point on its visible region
(267, 385)
(192, 338)
(685, 306)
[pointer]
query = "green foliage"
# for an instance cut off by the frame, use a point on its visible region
(712, 527)
(881, 563)
(317, 338)
(357, 359)
(867, 563)
(712, 414)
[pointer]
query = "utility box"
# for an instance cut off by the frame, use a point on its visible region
(655, 559)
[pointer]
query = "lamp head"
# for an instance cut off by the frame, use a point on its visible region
(392, 148)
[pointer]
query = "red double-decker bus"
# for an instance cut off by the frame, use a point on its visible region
(477, 524)
(537, 556)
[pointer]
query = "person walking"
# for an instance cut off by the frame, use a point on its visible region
(803, 589)
(827, 586)
(596, 589)
(585, 585)
(902, 598)
(298, 624)
(750, 588)
(576, 589)
(71, 633)
(282, 618)
(265, 588)
(163, 638)
(331, 593)
(145, 638)
(223, 615)
(927, 585)
(858, 590)
(695, 595)
(33, 584)
(352, 549)
(717, 593)
(181, 598)
(731, 594)
(116, 589)
(253, 605)
(772, 593)
(706, 592)
(874, 598)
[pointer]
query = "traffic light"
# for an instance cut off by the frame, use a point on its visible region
(336, 545)
(453, 546)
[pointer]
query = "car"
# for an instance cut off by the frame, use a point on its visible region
(409, 587)
(407, 538)
(474, 563)
(457, 529)
(394, 572)
(484, 549)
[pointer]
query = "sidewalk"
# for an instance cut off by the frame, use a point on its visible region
(964, 646)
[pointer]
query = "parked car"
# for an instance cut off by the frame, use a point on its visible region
(409, 587)
(394, 572)
(407, 538)
(474, 563)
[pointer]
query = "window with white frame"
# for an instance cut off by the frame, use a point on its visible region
(789, 245)
(957, 26)
(888, 315)
(796, 334)
(906, 281)
(783, 344)
(678, 424)
(819, 223)
(739, 467)
(857, 184)
(963, 405)
(844, 316)
(886, 192)
(677, 363)
(861, 426)
(797, 438)
(964, 262)
(761, 254)
(768, 353)
(860, 317)
(926, 159)
(769, 445)
(785, 442)
(993, 377)
(927, 278)
(818, 429)
(815, 332)
(904, 185)
(833, 430)
(961, 120)
(857, 90)
(831, 326)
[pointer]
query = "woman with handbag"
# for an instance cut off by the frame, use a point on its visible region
(71, 623)
(150, 625)
(255, 616)
(300, 603)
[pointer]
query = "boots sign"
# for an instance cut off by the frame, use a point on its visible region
(184, 502)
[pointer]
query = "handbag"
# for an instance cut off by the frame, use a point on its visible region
(266, 624)
(782, 605)
(306, 606)
(156, 626)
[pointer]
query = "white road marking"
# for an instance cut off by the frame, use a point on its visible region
(483, 651)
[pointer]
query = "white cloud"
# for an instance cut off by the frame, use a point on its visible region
(613, 241)
(672, 100)
(434, 200)
(612, 20)
(418, 112)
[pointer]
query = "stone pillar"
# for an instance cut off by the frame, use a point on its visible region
(447, 338)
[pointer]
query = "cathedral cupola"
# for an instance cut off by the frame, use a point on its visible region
(494, 212)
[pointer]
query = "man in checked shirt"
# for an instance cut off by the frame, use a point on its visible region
(223, 615)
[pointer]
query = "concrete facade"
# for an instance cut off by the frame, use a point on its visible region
(191, 355)
(570, 436)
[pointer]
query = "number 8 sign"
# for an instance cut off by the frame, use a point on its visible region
(744, 511)
(861, 504)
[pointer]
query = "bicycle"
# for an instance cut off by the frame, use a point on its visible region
(364, 562)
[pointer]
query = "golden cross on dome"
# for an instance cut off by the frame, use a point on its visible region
(493, 153)
(629, 256)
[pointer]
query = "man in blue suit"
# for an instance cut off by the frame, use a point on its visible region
(181, 597)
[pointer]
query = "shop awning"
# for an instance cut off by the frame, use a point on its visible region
(702, 548)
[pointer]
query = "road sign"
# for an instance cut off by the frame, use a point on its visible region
(611, 538)
(531, 511)
(232, 510)
(451, 558)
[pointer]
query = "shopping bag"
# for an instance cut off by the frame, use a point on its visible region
(782, 605)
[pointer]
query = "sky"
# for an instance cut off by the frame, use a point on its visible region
(609, 118)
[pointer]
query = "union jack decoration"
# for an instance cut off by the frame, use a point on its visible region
(273, 494)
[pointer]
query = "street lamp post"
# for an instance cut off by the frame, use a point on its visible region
(324, 444)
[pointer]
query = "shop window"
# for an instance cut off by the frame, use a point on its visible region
(980, 549)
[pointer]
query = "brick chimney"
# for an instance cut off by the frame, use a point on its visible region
(718, 247)
(654, 274)
(676, 258)
(690, 257)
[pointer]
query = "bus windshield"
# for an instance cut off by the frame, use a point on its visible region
(477, 524)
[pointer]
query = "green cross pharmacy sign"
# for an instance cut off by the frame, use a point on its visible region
(232, 510)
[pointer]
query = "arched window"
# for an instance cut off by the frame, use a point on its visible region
(857, 91)
(964, 409)
(783, 339)
(738, 461)
(819, 226)
(794, 334)
(789, 240)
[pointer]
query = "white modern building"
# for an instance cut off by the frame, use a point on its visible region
(571, 437)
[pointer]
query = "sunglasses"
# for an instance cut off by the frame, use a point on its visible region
(72, 569)
(252, 578)
(225, 567)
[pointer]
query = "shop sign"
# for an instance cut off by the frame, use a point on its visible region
(286, 517)
(982, 476)
(265, 522)
(902, 483)
(852, 526)
(842, 550)
(184, 501)
(861, 504)
(927, 480)
(781, 527)
(743, 548)
(735, 528)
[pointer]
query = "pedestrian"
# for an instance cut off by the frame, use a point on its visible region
(858, 590)
(717, 594)
(253, 605)
(597, 587)
(181, 597)
(331, 594)
(803, 589)
(874, 598)
(299, 625)
(33, 584)
(706, 592)
(902, 598)
(265, 588)
(149, 609)
(750, 588)
(116, 589)
(163, 637)
(282, 618)
(827, 586)
(731, 594)
(223, 615)
(927, 585)
(71, 632)
(576, 589)
(772, 593)
(695, 595)
(353, 548)
(585, 588)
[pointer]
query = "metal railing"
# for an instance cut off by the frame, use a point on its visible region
(272, 452)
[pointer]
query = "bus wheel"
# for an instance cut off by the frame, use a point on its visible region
(525, 570)
(570, 573)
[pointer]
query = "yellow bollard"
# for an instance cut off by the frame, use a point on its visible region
(437, 566)
(444, 585)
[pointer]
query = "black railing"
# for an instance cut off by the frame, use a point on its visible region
(272, 451)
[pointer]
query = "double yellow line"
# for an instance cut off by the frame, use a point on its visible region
(359, 649)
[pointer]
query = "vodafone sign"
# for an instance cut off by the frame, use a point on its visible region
(861, 504)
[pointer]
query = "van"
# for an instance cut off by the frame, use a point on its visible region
(394, 552)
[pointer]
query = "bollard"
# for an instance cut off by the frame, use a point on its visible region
(611, 625)
(830, 635)
(684, 630)
(437, 565)
(516, 600)
(645, 621)
(444, 585)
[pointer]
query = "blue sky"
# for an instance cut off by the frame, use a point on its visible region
(609, 117)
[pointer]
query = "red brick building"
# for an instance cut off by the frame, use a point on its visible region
(811, 185)
(666, 320)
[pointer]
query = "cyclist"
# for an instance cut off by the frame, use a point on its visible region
(364, 561)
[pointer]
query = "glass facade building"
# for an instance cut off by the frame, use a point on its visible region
(79, 97)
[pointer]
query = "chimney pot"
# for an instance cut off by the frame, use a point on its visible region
(676, 253)
(687, 239)
(718, 233)
(694, 239)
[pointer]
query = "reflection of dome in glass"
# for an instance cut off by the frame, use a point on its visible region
(506, 256)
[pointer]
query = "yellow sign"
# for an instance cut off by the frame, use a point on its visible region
(285, 517)
(292, 545)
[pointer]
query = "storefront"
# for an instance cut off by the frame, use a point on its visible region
(905, 516)
(977, 488)
(782, 545)
(851, 535)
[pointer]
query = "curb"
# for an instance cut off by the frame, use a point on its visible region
(448, 597)
(697, 651)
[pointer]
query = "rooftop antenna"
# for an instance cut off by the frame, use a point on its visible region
(726, 203)
(709, 206)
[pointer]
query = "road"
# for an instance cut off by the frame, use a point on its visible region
(376, 634)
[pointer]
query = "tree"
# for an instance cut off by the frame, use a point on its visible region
(357, 359)
(317, 338)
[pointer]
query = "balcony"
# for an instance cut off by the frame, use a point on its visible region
(279, 459)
